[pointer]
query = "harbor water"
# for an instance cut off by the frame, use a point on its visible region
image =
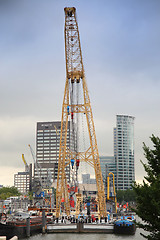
(82, 236)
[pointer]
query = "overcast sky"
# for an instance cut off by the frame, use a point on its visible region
(121, 52)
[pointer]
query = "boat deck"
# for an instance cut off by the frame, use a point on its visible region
(80, 227)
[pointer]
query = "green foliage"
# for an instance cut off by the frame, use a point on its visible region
(7, 192)
(120, 196)
(30, 195)
(125, 196)
(148, 193)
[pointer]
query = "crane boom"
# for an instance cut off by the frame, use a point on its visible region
(36, 165)
(25, 163)
(75, 76)
(74, 63)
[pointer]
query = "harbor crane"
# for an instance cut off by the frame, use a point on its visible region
(111, 192)
(72, 107)
(25, 163)
(37, 166)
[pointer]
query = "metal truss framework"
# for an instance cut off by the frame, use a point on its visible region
(75, 74)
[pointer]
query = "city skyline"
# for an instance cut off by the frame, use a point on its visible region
(120, 49)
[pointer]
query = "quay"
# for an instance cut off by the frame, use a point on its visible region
(66, 224)
(80, 227)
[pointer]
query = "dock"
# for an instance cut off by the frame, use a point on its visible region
(80, 227)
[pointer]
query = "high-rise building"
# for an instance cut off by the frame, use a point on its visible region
(47, 150)
(107, 166)
(23, 180)
(124, 152)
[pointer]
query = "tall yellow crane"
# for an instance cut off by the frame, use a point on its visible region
(75, 77)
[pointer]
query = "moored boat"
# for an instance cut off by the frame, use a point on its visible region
(126, 225)
(19, 228)
(17, 225)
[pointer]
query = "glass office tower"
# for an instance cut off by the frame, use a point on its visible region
(124, 152)
(47, 150)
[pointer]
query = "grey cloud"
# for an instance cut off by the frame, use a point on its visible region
(120, 47)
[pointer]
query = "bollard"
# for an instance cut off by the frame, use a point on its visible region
(43, 222)
(28, 227)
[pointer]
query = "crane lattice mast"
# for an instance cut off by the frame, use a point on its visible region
(74, 76)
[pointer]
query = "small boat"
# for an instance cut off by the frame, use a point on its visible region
(126, 225)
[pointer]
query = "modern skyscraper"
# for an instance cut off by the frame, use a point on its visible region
(124, 152)
(47, 150)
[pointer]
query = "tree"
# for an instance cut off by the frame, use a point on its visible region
(125, 196)
(148, 193)
(30, 195)
(129, 195)
(120, 196)
(6, 192)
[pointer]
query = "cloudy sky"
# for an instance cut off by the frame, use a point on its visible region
(121, 52)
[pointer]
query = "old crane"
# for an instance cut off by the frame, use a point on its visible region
(72, 107)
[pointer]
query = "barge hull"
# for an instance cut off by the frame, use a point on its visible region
(124, 229)
(20, 231)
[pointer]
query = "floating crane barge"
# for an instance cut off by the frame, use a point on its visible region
(74, 106)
